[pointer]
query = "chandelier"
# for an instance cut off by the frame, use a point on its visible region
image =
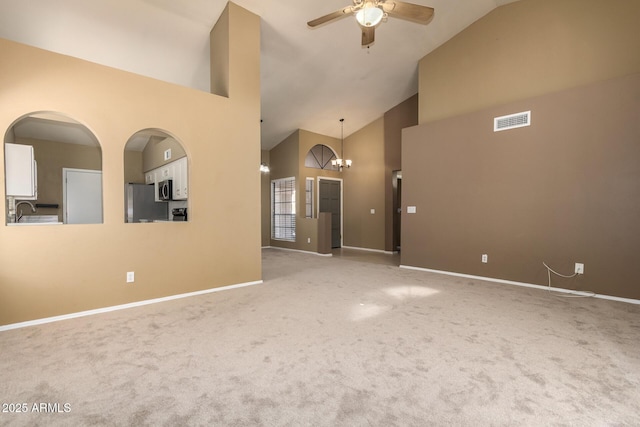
(341, 162)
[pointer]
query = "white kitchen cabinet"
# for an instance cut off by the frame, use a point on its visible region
(177, 172)
(184, 177)
(166, 172)
(177, 193)
(21, 171)
(180, 179)
(150, 177)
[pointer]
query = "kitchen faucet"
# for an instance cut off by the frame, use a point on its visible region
(19, 213)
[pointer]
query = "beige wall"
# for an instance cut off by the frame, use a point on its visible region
(376, 153)
(219, 48)
(284, 157)
(287, 160)
(563, 190)
(529, 48)
(399, 117)
(309, 229)
(153, 153)
(71, 268)
(364, 188)
(133, 169)
(284, 164)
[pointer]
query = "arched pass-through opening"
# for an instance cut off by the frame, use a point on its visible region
(53, 171)
(156, 176)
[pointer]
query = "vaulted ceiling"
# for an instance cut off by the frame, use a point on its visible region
(310, 78)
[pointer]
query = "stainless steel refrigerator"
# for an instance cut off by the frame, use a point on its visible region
(140, 204)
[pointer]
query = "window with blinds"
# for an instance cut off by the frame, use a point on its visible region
(283, 209)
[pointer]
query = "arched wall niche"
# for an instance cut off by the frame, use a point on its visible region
(53, 171)
(156, 176)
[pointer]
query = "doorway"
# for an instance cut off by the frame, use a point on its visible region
(330, 200)
(396, 183)
(82, 196)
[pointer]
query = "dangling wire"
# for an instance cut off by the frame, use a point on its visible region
(571, 293)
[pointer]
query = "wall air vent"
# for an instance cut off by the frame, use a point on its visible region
(512, 121)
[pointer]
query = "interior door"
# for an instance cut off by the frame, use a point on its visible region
(330, 201)
(82, 198)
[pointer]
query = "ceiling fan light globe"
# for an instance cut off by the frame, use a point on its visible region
(369, 16)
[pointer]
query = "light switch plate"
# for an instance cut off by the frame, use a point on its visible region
(373, 211)
(167, 154)
(411, 209)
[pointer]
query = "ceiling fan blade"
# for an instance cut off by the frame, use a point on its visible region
(368, 35)
(409, 11)
(331, 16)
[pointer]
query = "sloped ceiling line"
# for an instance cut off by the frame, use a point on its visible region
(309, 77)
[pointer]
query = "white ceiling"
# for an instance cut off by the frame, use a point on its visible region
(54, 127)
(310, 78)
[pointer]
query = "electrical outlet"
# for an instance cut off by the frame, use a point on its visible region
(131, 277)
(308, 239)
(485, 258)
(579, 268)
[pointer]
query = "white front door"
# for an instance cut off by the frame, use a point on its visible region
(82, 194)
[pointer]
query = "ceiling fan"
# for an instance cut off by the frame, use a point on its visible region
(369, 14)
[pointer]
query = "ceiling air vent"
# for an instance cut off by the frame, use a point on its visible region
(512, 121)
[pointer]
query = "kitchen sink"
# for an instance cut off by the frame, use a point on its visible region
(37, 219)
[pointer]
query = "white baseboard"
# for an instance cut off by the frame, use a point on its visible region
(343, 247)
(121, 307)
(368, 250)
(297, 250)
(527, 285)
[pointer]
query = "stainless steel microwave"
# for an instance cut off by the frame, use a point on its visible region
(165, 190)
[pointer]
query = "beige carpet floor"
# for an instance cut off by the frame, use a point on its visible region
(333, 342)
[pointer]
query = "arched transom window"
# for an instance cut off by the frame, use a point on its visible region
(319, 157)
